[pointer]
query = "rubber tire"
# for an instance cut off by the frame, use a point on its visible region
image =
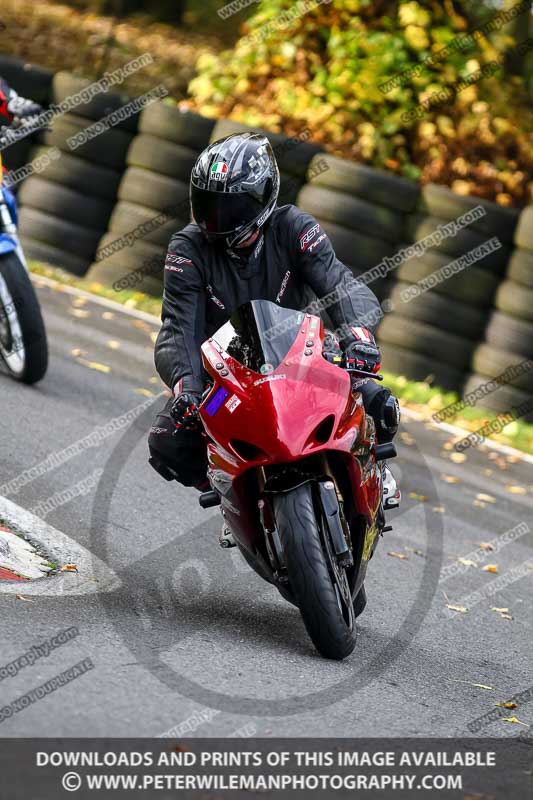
(81, 175)
(412, 365)
(492, 362)
(59, 201)
(353, 247)
(181, 127)
(108, 149)
(58, 232)
(293, 155)
(426, 340)
(156, 191)
(440, 201)
(418, 227)
(55, 256)
(524, 232)
(430, 307)
(360, 601)
(520, 267)
(515, 299)
(502, 400)
(351, 212)
(27, 79)
(512, 334)
(108, 274)
(471, 286)
(158, 155)
(308, 573)
(64, 84)
(30, 318)
(126, 217)
(373, 185)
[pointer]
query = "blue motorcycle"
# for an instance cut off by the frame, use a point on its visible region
(23, 344)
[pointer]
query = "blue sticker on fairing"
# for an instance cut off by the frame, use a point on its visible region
(216, 401)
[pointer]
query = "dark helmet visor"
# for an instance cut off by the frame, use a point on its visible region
(223, 213)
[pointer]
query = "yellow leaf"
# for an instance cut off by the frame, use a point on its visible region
(108, 315)
(21, 597)
(79, 302)
(439, 509)
(516, 489)
(153, 380)
(144, 392)
(490, 568)
(457, 458)
(506, 616)
(397, 555)
(406, 438)
(420, 497)
(79, 312)
(500, 610)
(506, 705)
(467, 562)
(95, 365)
(486, 546)
(513, 719)
(485, 498)
(69, 568)
(76, 352)
(113, 344)
(140, 323)
(461, 609)
(449, 478)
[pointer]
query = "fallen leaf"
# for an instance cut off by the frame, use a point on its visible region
(144, 392)
(420, 497)
(486, 546)
(490, 568)
(516, 489)
(406, 438)
(108, 315)
(514, 720)
(439, 509)
(397, 555)
(79, 312)
(506, 616)
(21, 597)
(69, 568)
(506, 705)
(500, 610)
(485, 498)
(140, 323)
(95, 365)
(467, 562)
(478, 685)
(447, 446)
(479, 504)
(488, 472)
(449, 479)
(153, 380)
(461, 609)
(76, 352)
(113, 344)
(79, 302)
(457, 458)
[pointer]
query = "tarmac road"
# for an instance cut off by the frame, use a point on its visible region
(192, 637)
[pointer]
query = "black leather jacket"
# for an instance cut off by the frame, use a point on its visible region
(292, 263)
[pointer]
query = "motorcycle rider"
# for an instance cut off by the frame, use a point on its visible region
(14, 107)
(242, 246)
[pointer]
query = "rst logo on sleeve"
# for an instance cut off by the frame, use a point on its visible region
(308, 236)
(174, 263)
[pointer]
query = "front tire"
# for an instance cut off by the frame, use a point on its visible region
(320, 587)
(23, 345)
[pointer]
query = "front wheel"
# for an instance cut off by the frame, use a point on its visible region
(23, 345)
(320, 587)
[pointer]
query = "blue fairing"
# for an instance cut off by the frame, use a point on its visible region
(7, 245)
(11, 203)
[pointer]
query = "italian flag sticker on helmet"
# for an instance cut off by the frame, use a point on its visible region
(219, 170)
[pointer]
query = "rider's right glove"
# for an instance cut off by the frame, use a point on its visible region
(184, 408)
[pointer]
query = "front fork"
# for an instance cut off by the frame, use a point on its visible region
(8, 228)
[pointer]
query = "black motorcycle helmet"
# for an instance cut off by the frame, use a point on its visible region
(234, 188)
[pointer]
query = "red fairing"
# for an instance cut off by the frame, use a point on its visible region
(279, 414)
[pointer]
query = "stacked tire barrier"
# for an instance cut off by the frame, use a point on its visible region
(153, 198)
(65, 211)
(443, 293)
(507, 348)
(29, 81)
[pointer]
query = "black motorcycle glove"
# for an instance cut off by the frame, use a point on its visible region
(363, 353)
(184, 410)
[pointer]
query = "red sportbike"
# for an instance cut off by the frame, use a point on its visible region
(294, 464)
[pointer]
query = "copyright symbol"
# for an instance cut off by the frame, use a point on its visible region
(71, 781)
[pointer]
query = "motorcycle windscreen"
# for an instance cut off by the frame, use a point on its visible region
(259, 334)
